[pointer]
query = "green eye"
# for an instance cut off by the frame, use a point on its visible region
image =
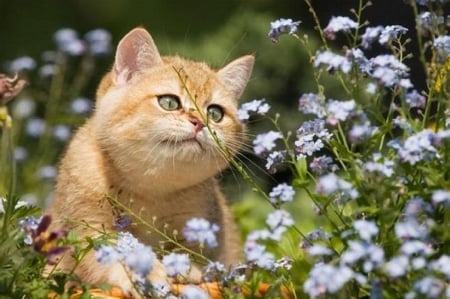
(215, 113)
(169, 102)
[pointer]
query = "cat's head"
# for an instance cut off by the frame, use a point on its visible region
(166, 115)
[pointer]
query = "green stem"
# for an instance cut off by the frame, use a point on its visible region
(157, 230)
(317, 21)
(55, 95)
(12, 182)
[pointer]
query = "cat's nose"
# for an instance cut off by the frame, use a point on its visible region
(198, 124)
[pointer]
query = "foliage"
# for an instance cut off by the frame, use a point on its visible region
(372, 164)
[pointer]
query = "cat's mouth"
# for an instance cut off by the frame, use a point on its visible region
(191, 141)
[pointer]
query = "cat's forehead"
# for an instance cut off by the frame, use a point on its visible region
(189, 79)
(193, 75)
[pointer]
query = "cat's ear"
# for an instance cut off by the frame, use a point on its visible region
(237, 73)
(136, 51)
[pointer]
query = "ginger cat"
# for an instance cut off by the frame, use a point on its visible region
(148, 146)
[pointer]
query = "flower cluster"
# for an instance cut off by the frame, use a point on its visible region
(281, 26)
(202, 231)
(129, 251)
(372, 171)
(255, 107)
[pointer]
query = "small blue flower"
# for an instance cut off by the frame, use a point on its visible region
(99, 42)
(384, 34)
(324, 278)
(398, 266)
(194, 292)
(366, 229)
(176, 264)
(314, 127)
(24, 63)
(323, 164)
(311, 103)
(339, 24)
(279, 218)
(339, 110)
(160, 289)
(35, 127)
(81, 106)
(416, 248)
(47, 172)
(313, 236)
(430, 286)
(129, 251)
(441, 197)
(255, 107)
(370, 255)
(415, 99)
(23, 108)
(202, 231)
(332, 185)
(390, 33)
(310, 138)
(442, 265)
(318, 250)
(380, 165)
(281, 193)
(387, 69)
(418, 147)
(442, 46)
(107, 255)
(416, 206)
(48, 70)
(284, 263)
(281, 26)
(370, 35)
(258, 255)
(62, 132)
(68, 42)
(20, 154)
(358, 57)
(333, 61)
(428, 21)
(274, 160)
(410, 228)
(265, 142)
(307, 146)
(213, 271)
(127, 243)
(360, 132)
(122, 221)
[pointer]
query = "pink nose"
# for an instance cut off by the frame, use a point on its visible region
(198, 124)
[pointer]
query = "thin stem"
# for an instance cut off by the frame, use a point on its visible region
(13, 173)
(421, 49)
(55, 95)
(156, 230)
(317, 21)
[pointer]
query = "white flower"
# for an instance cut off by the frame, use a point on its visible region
(366, 229)
(202, 231)
(265, 142)
(176, 264)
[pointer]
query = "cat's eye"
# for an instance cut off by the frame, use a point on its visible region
(169, 102)
(215, 113)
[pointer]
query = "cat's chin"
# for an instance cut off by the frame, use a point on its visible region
(184, 144)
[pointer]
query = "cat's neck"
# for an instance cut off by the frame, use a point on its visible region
(162, 179)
